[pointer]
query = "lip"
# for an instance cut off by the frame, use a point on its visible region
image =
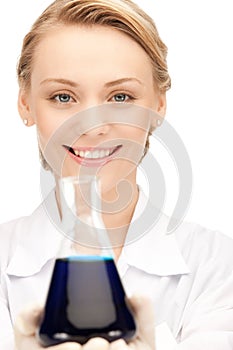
(92, 162)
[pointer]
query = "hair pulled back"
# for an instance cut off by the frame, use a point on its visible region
(122, 15)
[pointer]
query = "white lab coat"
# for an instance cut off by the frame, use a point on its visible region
(188, 275)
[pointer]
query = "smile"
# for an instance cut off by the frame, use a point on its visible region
(92, 157)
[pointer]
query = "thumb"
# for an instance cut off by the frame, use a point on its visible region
(28, 320)
(144, 312)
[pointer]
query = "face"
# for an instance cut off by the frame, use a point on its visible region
(76, 68)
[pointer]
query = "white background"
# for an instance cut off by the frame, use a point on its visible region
(199, 37)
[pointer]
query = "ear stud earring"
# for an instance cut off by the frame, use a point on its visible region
(25, 121)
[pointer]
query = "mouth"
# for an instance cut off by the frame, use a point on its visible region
(92, 156)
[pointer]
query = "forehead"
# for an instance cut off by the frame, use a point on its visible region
(81, 48)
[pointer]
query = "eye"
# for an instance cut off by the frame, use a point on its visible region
(121, 97)
(63, 98)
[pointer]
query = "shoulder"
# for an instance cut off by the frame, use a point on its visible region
(14, 232)
(193, 236)
(203, 248)
(16, 227)
(33, 239)
(10, 235)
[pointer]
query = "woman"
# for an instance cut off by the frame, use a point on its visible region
(78, 56)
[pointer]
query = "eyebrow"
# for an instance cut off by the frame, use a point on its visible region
(121, 81)
(61, 81)
(74, 84)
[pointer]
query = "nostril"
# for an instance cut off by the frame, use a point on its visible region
(98, 131)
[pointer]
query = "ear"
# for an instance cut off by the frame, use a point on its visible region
(161, 104)
(24, 107)
(160, 110)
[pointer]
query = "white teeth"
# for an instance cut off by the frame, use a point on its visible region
(93, 154)
(87, 154)
(96, 154)
(102, 154)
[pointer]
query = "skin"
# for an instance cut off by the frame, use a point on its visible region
(62, 66)
(62, 84)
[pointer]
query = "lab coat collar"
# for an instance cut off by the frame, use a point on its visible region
(155, 252)
(39, 240)
(158, 257)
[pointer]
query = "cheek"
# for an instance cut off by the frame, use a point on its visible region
(136, 135)
(45, 130)
(46, 127)
(47, 121)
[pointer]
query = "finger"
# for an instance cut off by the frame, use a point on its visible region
(97, 344)
(28, 320)
(144, 313)
(26, 343)
(119, 345)
(66, 346)
(30, 343)
(25, 327)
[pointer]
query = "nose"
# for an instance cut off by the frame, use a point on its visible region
(99, 130)
(95, 121)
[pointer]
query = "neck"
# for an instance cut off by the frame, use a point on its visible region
(117, 221)
(118, 213)
(118, 209)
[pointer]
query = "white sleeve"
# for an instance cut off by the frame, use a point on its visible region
(6, 329)
(209, 322)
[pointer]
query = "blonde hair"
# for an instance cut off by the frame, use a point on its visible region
(122, 15)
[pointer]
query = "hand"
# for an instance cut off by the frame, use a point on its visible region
(27, 323)
(145, 338)
(25, 329)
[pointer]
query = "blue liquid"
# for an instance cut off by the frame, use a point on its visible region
(86, 299)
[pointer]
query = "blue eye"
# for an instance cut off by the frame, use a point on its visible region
(63, 98)
(120, 97)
